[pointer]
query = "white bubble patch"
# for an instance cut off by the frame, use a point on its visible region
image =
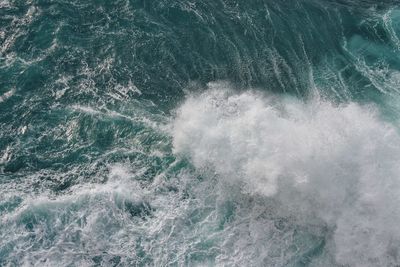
(333, 165)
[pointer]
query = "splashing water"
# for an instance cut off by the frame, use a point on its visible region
(199, 133)
(336, 166)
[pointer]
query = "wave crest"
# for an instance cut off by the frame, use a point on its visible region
(336, 165)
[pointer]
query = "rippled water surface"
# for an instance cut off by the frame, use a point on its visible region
(199, 133)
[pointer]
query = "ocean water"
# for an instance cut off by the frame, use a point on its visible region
(200, 133)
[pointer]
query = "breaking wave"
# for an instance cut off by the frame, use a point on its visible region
(325, 166)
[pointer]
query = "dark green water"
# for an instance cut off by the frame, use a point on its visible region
(199, 133)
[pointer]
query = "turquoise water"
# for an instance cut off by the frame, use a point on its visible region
(199, 133)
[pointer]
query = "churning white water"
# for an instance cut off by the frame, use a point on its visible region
(319, 164)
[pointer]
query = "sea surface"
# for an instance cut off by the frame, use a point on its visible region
(200, 133)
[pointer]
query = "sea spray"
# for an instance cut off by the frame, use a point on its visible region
(199, 133)
(334, 165)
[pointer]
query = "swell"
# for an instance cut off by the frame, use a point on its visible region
(104, 161)
(163, 46)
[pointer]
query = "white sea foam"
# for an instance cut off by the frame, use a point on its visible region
(333, 165)
(7, 95)
(101, 213)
